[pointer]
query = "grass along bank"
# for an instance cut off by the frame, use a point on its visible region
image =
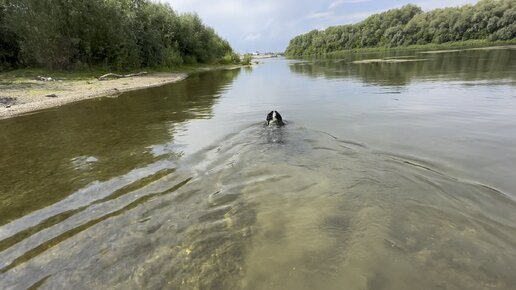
(456, 45)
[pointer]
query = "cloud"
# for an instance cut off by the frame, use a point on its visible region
(338, 3)
(319, 15)
(352, 18)
(252, 37)
(223, 7)
(268, 25)
(430, 5)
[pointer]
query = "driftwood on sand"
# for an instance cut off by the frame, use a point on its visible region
(118, 76)
(44, 79)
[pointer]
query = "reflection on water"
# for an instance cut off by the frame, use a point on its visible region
(387, 176)
(48, 155)
(468, 65)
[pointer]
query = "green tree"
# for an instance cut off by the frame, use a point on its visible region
(121, 34)
(9, 48)
(408, 25)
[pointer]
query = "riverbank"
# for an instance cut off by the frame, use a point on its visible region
(22, 95)
(457, 45)
(23, 92)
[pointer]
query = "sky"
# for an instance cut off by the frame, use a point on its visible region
(268, 25)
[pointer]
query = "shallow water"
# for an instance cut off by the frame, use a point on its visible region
(388, 175)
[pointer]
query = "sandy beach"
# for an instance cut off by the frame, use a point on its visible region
(20, 96)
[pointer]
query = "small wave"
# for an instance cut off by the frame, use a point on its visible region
(310, 212)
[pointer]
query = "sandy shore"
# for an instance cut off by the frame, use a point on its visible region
(20, 96)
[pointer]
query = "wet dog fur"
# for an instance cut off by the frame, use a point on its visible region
(274, 118)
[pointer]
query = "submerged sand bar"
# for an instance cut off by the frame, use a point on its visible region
(494, 47)
(33, 95)
(474, 48)
(440, 51)
(387, 60)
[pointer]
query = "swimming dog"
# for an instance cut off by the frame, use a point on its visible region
(274, 118)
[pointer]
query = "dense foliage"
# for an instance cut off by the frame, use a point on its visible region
(488, 19)
(8, 43)
(119, 34)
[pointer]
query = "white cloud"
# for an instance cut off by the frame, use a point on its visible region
(224, 8)
(268, 25)
(429, 5)
(253, 36)
(352, 18)
(338, 3)
(319, 15)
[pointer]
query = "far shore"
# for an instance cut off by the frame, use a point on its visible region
(430, 48)
(22, 95)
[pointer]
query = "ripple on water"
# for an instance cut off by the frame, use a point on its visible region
(309, 212)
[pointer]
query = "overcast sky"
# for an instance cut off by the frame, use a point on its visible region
(268, 25)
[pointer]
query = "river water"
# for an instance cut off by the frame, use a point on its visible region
(392, 174)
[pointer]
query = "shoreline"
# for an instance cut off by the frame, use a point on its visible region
(31, 95)
(457, 45)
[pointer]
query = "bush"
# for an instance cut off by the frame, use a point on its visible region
(172, 57)
(190, 59)
(247, 59)
(122, 34)
(9, 48)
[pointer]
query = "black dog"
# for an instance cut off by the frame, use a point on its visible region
(274, 118)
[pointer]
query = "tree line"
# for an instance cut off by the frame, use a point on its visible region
(119, 34)
(490, 20)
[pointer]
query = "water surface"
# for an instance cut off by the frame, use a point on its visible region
(387, 176)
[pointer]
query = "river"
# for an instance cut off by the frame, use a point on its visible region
(396, 170)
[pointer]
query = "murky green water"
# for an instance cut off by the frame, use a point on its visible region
(387, 176)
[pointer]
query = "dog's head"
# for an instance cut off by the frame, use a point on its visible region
(274, 118)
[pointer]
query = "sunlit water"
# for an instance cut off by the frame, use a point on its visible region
(387, 176)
